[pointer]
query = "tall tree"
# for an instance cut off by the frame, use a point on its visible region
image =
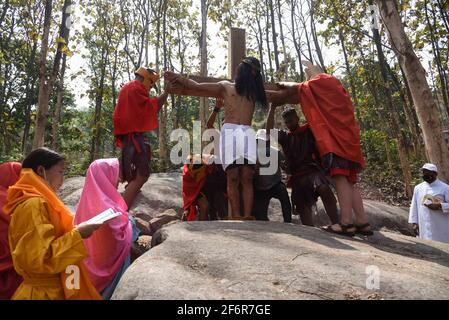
(63, 50)
(402, 150)
(42, 113)
(425, 105)
(204, 105)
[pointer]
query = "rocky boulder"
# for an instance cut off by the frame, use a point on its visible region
(163, 192)
(271, 260)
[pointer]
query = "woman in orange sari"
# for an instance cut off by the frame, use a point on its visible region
(47, 250)
(9, 279)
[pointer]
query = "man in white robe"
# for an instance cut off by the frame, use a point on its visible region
(429, 211)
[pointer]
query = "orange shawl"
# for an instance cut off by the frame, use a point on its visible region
(30, 185)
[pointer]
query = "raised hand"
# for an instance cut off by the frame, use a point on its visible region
(219, 103)
(87, 230)
(275, 105)
(311, 70)
(170, 76)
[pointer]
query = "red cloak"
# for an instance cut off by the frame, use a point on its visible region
(135, 111)
(329, 111)
(9, 279)
(191, 188)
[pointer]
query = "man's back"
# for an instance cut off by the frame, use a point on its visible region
(135, 110)
(299, 149)
(238, 109)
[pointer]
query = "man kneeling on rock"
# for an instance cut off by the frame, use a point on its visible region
(203, 189)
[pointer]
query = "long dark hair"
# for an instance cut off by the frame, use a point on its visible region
(249, 81)
(42, 157)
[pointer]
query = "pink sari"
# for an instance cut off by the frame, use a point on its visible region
(110, 245)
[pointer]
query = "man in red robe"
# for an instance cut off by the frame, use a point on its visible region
(203, 189)
(136, 114)
(329, 111)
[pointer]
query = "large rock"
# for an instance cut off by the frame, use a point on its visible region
(382, 216)
(163, 191)
(269, 260)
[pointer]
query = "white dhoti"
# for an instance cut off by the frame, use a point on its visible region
(237, 145)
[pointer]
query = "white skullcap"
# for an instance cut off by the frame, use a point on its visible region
(430, 167)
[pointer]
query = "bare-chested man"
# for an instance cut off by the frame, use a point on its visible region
(238, 151)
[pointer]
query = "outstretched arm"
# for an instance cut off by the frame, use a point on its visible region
(213, 115)
(270, 120)
(204, 89)
(162, 99)
(287, 94)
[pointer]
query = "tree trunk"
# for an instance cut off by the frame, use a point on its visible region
(426, 108)
(437, 57)
(58, 107)
(204, 105)
(45, 89)
(444, 14)
(259, 37)
(402, 150)
(5, 8)
(296, 42)
(383, 125)
(416, 129)
(349, 73)
(42, 112)
(163, 148)
(267, 34)
(274, 37)
(284, 68)
(30, 85)
(96, 138)
(309, 48)
(315, 37)
(64, 33)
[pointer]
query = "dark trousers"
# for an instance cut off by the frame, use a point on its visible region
(262, 201)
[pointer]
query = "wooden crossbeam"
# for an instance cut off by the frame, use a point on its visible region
(179, 90)
(236, 52)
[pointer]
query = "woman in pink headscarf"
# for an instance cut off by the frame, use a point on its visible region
(9, 279)
(109, 247)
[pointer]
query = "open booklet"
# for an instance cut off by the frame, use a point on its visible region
(429, 199)
(101, 218)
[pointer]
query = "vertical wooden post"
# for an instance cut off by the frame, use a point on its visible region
(236, 50)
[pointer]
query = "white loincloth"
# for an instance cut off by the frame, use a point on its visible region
(237, 142)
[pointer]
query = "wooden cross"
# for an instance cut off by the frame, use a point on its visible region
(236, 52)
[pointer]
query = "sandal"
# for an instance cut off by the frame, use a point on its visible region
(344, 230)
(360, 227)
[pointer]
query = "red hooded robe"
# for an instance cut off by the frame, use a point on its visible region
(135, 112)
(192, 183)
(329, 111)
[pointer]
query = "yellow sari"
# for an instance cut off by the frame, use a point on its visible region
(46, 250)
